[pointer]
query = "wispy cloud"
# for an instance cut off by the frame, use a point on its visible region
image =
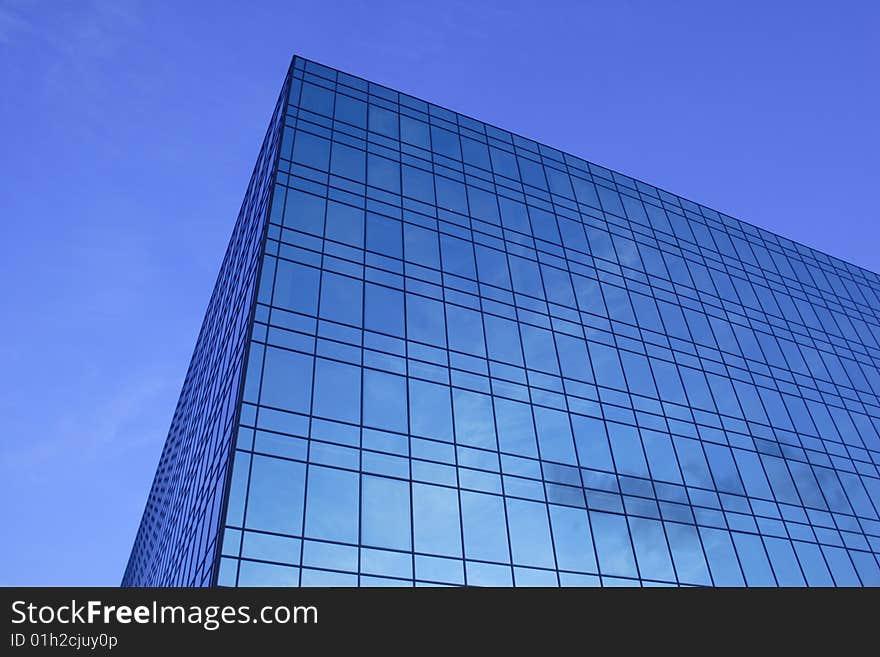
(81, 30)
(126, 417)
(62, 50)
(12, 23)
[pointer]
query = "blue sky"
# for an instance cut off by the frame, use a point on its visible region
(129, 130)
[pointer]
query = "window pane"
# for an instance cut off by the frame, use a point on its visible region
(337, 391)
(488, 574)
(687, 553)
(445, 142)
(275, 498)
(332, 504)
(554, 435)
(345, 224)
(465, 328)
(483, 205)
(617, 302)
(330, 555)
(255, 573)
(383, 173)
(697, 388)
(296, 287)
(475, 153)
(270, 547)
(780, 479)
(544, 225)
(385, 401)
(485, 533)
(784, 561)
(573, 539)
(514, 215)
(526, 276)
(588, 295)
(287, 380)
(415, 132)
(651, 551)
(753, 478)
(539, 349)
(504, 163)
(383, 121)
(384, 235)
(430, 410)
(341, 298)
(383, 310)
(451, 195)
(866, 565)
(813, 564)
(668, 381)
(573, 357)
(638, 374)
(421, 246)
(516, 434)
(756, 567)
(348, 162)
(841, 567)
(661, 456)
(458, 257)
(436, 520)
(592, 443)
(693, 463)
(492, 267)
(304, 212)
(723, 468)
(530, 533)
(503, 338)
(385, 513)
(627, 449)
(613, 545)
(316, 99)
(418, 184)
(351, 110)
(607, 366)
(722, 559)
(424, 320)
(474, 423)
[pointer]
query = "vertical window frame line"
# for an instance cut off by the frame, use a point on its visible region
(485, 343)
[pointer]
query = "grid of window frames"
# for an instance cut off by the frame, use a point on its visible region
(176, 543)
(479, 360)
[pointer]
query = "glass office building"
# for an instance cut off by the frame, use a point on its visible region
(439, 353)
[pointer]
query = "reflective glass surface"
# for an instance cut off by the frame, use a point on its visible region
(475, 359)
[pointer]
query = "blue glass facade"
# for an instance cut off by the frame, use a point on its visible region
(474, 359)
